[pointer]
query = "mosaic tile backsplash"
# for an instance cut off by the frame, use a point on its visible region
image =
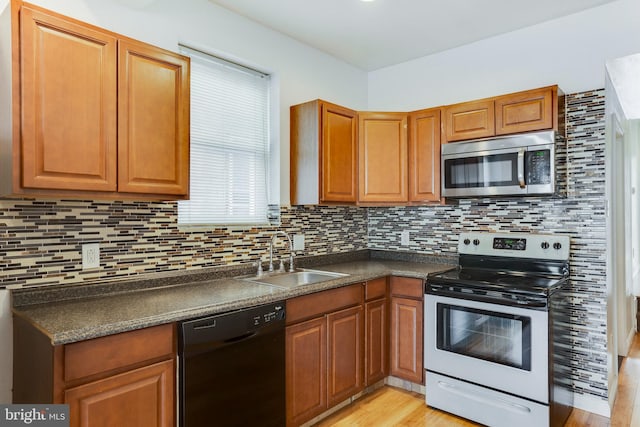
(581, 215)
(40, 241)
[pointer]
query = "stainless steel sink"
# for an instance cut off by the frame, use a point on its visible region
(297, 278)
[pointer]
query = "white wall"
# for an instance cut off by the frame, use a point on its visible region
(303, 73)
(6, 347)
(569, 51)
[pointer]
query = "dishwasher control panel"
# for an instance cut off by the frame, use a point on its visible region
(274, 312)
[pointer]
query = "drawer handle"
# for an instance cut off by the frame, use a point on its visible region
(497, 402)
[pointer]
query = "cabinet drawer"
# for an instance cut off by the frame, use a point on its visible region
(91, 357)
(407, 287)
(313, 305)
(376, 288)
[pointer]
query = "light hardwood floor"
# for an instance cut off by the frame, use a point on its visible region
(393, 407)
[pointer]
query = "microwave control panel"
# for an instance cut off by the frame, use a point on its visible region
(538, 166)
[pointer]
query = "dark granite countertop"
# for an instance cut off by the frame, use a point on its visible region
(116, 308)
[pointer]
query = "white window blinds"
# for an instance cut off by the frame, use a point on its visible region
(229, 143)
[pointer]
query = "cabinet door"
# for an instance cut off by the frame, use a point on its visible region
(140, 398)
(68, 84)
(376, 341)
(346, 356)
(306, 370)
(153, 120)
(383, 157)
(525, 111)
(339, 155)
(407, 339)
(470, 120)
(424, 156)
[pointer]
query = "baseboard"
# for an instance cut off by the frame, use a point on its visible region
(343, 404)
(628, 341)
(405, 385)
(592, 404)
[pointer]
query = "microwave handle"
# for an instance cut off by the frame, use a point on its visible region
(521, 168)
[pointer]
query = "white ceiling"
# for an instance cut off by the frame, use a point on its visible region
(373, 35)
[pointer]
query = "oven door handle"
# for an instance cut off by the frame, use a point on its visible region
(521, 168)
(501, 403)
(531, 303)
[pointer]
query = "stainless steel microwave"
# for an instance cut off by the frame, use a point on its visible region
(515, 165)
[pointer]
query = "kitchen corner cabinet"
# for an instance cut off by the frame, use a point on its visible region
(383, 158)
(424, 155)
(407, 327)
(98, 114)
(323, 155)
(324, 351)
(526, 111)
(123, 379)
(377, 331)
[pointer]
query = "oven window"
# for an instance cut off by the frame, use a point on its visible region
(496, 337)
(482, 171)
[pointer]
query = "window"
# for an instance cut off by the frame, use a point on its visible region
(230, 135)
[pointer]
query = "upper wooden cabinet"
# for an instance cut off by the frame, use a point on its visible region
(526, 111)
(369, 159)
(323, 154)
(424, 156)
(153, 120)
(69, 100)
(383, 158)
(470, 120)
(96, 114)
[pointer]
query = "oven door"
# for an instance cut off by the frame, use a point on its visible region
(492, 345)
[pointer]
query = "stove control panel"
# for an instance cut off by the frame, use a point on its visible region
(523, 245)
(509, 244)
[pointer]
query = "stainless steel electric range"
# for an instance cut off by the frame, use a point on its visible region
(496, 331)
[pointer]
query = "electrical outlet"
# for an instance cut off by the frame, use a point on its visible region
(404, 238)
(298, 242)
(90, 256)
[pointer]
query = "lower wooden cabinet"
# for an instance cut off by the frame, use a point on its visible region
(126, 379)
(407, 329)
(376, 340)
(346, 354)
(341, 340)
(306, 370)
(139, 398)
(325, 355)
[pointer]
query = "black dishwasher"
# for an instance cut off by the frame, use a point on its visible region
(232, 368)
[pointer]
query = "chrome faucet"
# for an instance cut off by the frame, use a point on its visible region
(291, 267)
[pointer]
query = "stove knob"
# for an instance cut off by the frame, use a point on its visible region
(466, 241)
(557, 246)
(476, 242)
(544, 245)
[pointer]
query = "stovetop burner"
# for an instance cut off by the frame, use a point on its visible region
(491, 279)
(493, 269)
